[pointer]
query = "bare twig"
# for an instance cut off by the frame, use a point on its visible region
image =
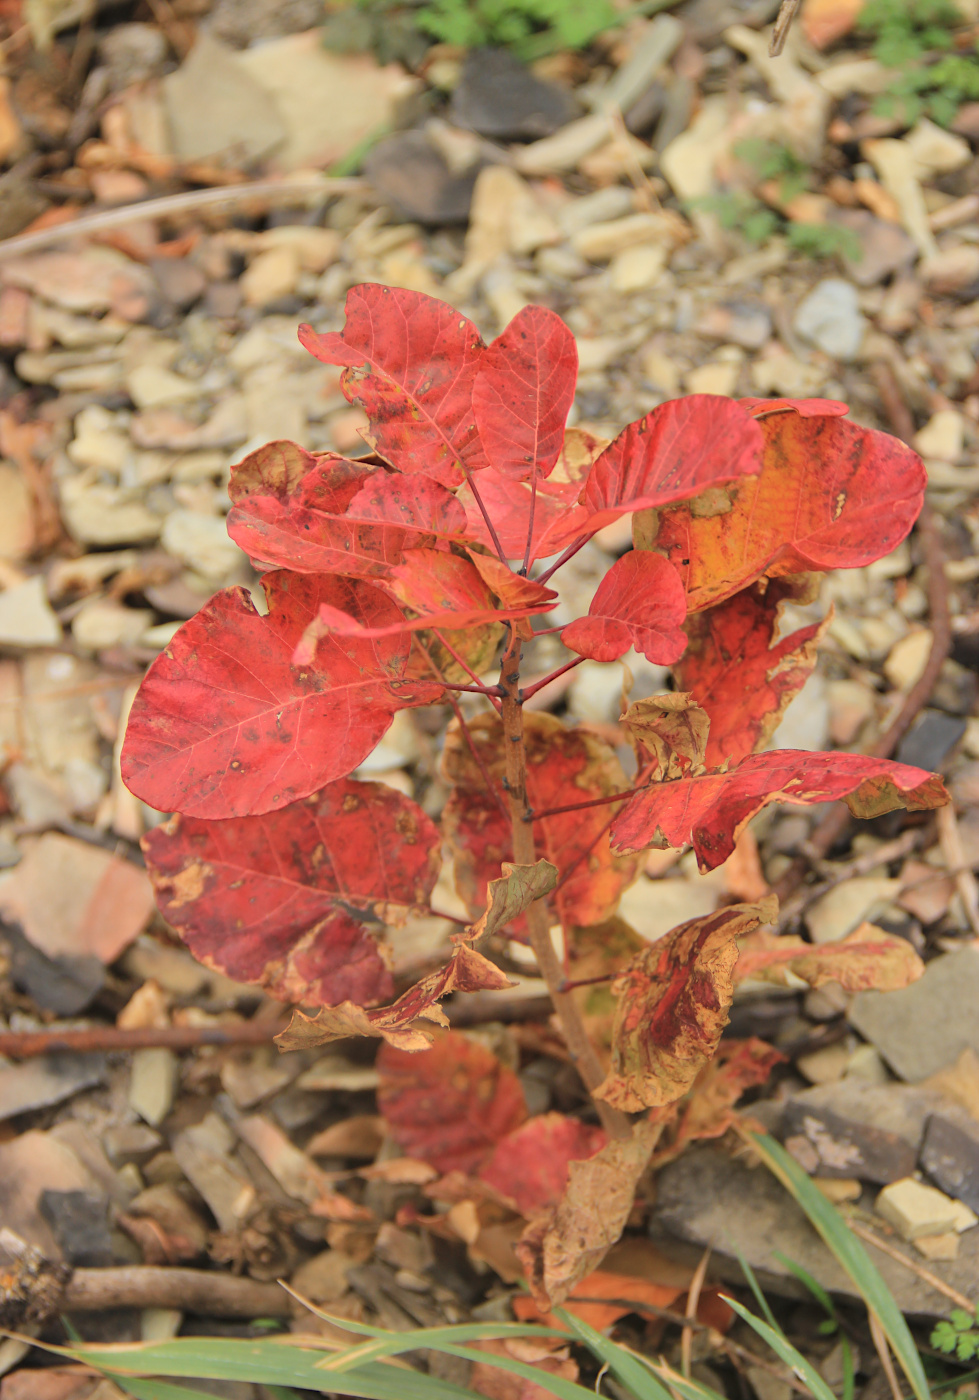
(926, 1275)
(693, 1302)
(24, 1045)
(188, 202)
(884, 1352)
(202, 1291)
(950, 839)
(783, 23)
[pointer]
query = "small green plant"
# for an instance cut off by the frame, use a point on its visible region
(824, 241)
(959, 1335)
(769, 160)
(737, 209)
(517, 24)
(915, 37)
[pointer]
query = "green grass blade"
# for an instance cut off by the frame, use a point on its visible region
(262, 1363)
(849, 1370)
(557, 1385)
(786, 1352)
(755, 1287)
(422, 1338)
(806, 1279)
(851, 1255)
(637, 1379)
(161, 1390)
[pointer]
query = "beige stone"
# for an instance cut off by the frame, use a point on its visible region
(688, 161)
(153, 386)
(16, 514)
(26, 617)
(898, 172)
(273, 274)
(844, 908)
(101, 515)
(717, 377)
(907, 659)
(943, 436)
(936, 151)
(838, 1188)
(202, 542)
(599, 242)
(636, 268)
(317, 248)
(915, 1210)
(104, 623)
(938, 1248)
(153, 1084)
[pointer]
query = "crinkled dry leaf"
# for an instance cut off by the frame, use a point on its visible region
(673, 1003)
(868, 959)
(529, 1168)
(562, 1248)
(706, 1112)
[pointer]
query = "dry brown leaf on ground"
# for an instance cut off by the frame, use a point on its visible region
(559, 1250)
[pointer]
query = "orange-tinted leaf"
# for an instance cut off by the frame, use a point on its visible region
(602, 1284)
(224, 725)
(445, 590)
(677, 451)
(466, 971)
(451, 1104)
(289, 900)
(325, 514)
(514, 591)
(529, 1168)
(563, 766)
(708, 812)
(673, 1003)
(707, 1111)
(559, 1250)
(497, 1384)
(411, 362)
(742, 677)
(639, 603)
(868, 959)
(523, 393)
(830, 496)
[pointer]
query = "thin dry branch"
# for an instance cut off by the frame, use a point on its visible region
(202, 1291)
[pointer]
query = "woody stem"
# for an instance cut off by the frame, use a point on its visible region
(580, 1048)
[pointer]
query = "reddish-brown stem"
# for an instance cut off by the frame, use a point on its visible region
(24, 1045)
(586, 982)
(490, 690)
(470, 482)
(530, 816)
(460, 661)
(549, 631)
(582, 856)
(480, 763)
(539, 685)
(580, 1048)
(525, 566)
(562, 559)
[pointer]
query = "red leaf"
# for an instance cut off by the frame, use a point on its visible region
(225, 726)
(556, 521)
(328, 515)
(514, 591)
(563, 766)
(673, 1002)
(639, 603)
(530, 1166)
(868, 959)
(411, 363)
(741, 677)
(807, 408)
(679, 450)
(830, 496)
(449, 1105)
(444, 589)
(466, 971)
(524, 391)
(275, 899)
(710, 811)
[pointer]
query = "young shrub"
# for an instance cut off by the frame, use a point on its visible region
(393, 581)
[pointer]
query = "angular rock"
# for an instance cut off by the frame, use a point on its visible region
(202, 1153)
(925, 1027)
(64, 985)
(916, 1210)
(931, 740)
(29, 1164)
(79, 1221)
(499, 97)
(153, 1084)
(852, 1128)
(215, 108)
(950, 1154)
(884, 247)
(830, 318)
(26, 616)
(411, 174)
(48, 1080)
(707, 1198)
(131, 1142)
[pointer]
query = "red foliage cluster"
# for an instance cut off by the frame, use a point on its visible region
(390, 582)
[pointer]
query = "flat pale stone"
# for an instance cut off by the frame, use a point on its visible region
(103, 624)
(925, 1028)
(202, 542)
(214, 106)
(26, 617)
(915, 1209)
(943, 436)
(844, 908)
(16, 514)
(598, 242)
(152, 386)
(907, 659)
(101, 515)
(717, 377)
(153, 1084)
(936, 151)
(273, 274)
(688, 162)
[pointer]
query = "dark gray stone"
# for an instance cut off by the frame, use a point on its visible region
(409, 173)
(498, 97)
(65, 985)
(950, 1154)
(922, 1028)
(852, 1128)
(708, 1198)
(80, 1223)
(931, 740)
